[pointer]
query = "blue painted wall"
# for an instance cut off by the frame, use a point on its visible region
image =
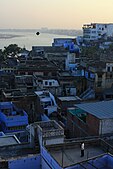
(49, 160)
(32, 162)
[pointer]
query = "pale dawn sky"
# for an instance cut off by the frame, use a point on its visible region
(67, 14)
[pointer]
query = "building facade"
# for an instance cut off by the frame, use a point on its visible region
(95, 31)
(90, 119)
(11, 118)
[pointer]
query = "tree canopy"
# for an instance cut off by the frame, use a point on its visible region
(12, 50)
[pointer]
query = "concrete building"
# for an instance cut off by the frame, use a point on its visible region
(40, 67)
(37, 51)
(7, 80)
(59, 42)
(55, 152)
(67, 155)
(46, 83)
(66, 102)
(8, 140)
(71, 85)
(46, 102)
(16, 155)
(88, 119)
(95, 31)
(24, 54)
(26, 83)
(72, 62)
(50, 83)
(49, 133)
(23, 100)
(11, 118)
(99, 78)
(8, 68)
(49, 52)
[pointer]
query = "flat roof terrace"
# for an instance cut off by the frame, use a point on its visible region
(16, 151)
(49, 129)
(69, 154)
(8, 140)
(69, 98)
(47, 125)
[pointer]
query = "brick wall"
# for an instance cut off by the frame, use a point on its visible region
(93, 125)
(77, 128)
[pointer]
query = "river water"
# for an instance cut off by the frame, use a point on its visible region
(27, 38)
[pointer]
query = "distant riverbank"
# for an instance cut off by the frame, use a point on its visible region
(8, 36)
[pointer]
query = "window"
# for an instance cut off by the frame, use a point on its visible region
(54, 74)
(99, 76)
(46, 82)
(40, 81)
(50, 83)
(93, 37)
(86, 36)
(45, 73)
(99, 84)
(108, 69)
(94, 26)
(30, 73)
(46, 104)
(93, 31)
(22, 73)
(86, 31)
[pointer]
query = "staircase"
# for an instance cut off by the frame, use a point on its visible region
(88, 94)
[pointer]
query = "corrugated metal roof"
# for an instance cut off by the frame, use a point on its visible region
(102, 110)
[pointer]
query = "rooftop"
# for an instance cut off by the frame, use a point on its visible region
(15, 152)
(48, 125)
(102, 110)
(69, 98)
(49, 128)
(8, 140)
(5, 104)
(69, 153)
(65, 73)
(94, 64)
(40, 63)
(50, 49)
(17, 93)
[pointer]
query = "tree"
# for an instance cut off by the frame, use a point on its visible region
(1, 55)
(12, 50)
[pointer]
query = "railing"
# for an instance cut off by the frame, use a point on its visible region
(53, 133)
(85, 92)
(106, 146)
(90, 93)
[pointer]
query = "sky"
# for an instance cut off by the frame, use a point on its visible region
(63, 14)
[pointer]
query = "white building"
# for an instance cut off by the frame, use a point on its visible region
(50, 83)
(47, 101)
(95, 31)
(71, 62)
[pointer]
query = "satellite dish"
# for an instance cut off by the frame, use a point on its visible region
(37, 33)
